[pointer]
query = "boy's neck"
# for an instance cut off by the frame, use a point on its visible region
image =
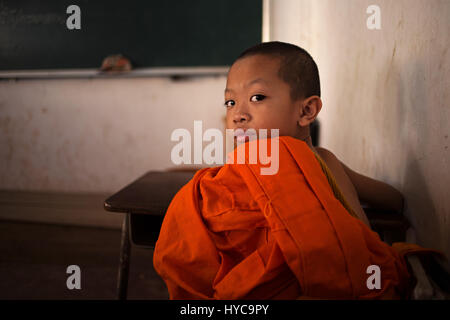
(308, 141)
(305, 136)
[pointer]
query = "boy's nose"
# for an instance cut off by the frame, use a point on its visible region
(241, 117)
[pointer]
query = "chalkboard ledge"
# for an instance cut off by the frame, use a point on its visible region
(173, 72)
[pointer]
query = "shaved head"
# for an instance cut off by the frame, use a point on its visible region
(297, 67)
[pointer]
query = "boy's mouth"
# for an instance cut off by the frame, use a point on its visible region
(241, 135)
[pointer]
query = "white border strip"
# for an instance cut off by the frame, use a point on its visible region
(266, 36)
(94, 73)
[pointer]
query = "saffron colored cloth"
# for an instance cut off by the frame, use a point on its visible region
(233, 233)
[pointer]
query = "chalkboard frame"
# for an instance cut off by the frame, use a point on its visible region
(138, 71)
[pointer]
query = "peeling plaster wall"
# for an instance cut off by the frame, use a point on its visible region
(386, 109)
(97, 135)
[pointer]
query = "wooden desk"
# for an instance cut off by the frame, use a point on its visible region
(144, 203)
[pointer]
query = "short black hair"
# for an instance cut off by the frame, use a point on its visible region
(297, 67)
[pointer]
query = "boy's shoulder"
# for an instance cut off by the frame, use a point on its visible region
(327, 156)
(345, 179)
(337, 167)
(343, 174)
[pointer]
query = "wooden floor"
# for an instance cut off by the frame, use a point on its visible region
(34, 258)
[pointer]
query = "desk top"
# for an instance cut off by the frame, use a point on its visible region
(152, 193)
(149, 194)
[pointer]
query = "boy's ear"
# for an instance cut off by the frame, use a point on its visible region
(309, 109)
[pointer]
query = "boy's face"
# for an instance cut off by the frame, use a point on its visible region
(257, 98)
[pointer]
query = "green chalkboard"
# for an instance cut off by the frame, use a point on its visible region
(151, 33)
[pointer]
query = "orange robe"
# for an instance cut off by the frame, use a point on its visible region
(232, 233)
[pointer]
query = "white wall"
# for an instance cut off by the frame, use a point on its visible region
(386, 95)
(97, 135)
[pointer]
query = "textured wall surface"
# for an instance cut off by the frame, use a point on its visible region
(386, 92)
(97, 135)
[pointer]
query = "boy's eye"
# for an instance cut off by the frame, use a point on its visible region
(254, 98)
(259, 97)
(227, 103)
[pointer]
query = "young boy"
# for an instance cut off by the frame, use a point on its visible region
(232, 233)
(276, 85)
